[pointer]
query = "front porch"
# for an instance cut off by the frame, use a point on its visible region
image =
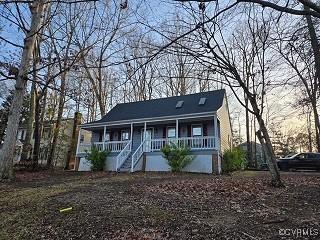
(128, 143)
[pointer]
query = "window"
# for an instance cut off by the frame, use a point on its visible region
(202, 101)
(196, 131)
(81, 138)
(171, 132)
(302, 156)
(107, 137)
(124, 135)
(179, 104)
(314, 156)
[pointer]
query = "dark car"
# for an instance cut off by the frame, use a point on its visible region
(300, 161)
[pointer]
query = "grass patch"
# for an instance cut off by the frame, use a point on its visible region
(23, 208)
(157, 213)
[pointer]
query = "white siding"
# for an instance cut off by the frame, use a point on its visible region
(85, 165)
(201, 164)
(225, 126)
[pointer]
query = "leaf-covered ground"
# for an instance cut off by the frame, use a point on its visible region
(159, 206)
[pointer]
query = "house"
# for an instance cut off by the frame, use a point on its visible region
(135, 133)
(63, 145)
(259, 158)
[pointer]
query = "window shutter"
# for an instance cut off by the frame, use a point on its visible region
(189, 130)
(205, 130)
(119, 135)
(164, 132)
(111, 136)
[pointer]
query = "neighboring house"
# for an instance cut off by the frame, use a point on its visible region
(135, 133)
(258, 155)
(63, 144)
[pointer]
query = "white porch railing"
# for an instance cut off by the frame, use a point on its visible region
(195, 143)
(123, 155)
(84, 147)
(113, 146)
(137, 155)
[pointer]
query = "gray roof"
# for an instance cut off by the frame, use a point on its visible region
(163, 107)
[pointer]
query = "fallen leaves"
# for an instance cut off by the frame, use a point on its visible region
(156, 206)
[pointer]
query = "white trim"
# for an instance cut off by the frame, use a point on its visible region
(131, 134)
(215, 125)
(104, 136)
(158, 119)
(177, 128)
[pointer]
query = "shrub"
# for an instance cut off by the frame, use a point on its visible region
(97, 158)
(177, 156)
(233, 160)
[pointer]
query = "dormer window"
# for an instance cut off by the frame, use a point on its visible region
(179, 104)
(202, 101)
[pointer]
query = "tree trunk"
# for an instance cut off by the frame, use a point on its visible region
(74, 140)
(255, 144)
(316, 123)
(37, 134)
(316, 53)
(56, 129)
(264, 138)
(37, 9)
(26, 145)
(249, 151)
(26, 150)
(309, 132)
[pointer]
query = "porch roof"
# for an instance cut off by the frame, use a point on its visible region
(163, 107)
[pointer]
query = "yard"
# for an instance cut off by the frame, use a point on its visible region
(159, 206)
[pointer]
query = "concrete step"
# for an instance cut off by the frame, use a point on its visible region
(124, 169)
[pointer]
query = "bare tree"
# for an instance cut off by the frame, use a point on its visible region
(227, 59)
(37, 10)
(305, 7)
(300, 50)
(104, 38)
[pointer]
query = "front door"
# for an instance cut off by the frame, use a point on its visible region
(147, 145)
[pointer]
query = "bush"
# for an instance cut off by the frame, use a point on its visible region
(233, 160)
(97, 158)
(177, 157)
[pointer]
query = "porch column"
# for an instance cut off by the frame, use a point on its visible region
(79, 136)
(177, 129)
(104, 137)
(144, 130)
(131, 134)
(217, 143)
(215, 123)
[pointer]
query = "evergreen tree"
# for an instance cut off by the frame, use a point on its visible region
(4, 113)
